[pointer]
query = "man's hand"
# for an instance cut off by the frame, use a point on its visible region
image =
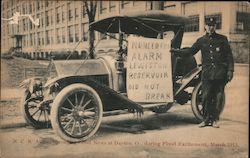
(230, 75)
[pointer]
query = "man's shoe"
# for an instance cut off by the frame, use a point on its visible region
(215, 124)
(202, 124)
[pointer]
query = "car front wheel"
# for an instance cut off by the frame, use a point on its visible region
(76, 113)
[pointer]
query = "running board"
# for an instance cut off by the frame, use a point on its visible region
(119, 112)
(148, 106)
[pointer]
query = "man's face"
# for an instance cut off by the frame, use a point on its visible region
(210, 29)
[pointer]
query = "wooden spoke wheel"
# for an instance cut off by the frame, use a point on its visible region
(76, 113)
(35, 111)
(196, 102)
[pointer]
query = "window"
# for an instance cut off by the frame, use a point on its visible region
(85, 31)
(3, 5)
(42, 39)
(58, 36)
(70, 11)
(24, 10)
(243, 6)
(42, 23)
(51, 17)
(31, 40)
(38, 39)
(63, 14)
(46, 3)
(33, 6)
(18, 8)
(149, 5)
(242, 21)
(24, 25)
(76, 33)
(23, 41)
(58, 14)
(76, 13)
(34, 38)
(47, 18)
(31, 25)
(52, 36)
(243, 16)
(217, 18)
(103, 7)
(41, 5)
(70, 31)
(63, 35)
(124, 4)
(30, 8)
(27, 24)
(193, 24)
(37, 5)
(70, 15)
(18, 28)
(84, 12)
(112, 6)
(27, 40)
(47, 35)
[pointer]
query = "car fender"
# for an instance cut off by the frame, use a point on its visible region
(187, 79)
(111, 99)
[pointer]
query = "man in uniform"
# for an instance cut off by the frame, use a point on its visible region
(217, 70)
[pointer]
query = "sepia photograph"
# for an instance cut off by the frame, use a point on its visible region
(124, 79)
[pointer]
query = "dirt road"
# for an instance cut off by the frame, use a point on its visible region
(173, 135)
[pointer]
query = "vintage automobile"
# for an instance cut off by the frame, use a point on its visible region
(76, 94)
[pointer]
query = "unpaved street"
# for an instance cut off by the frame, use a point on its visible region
(174, 134)
(168, 135)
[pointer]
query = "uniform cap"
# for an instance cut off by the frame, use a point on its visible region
(211, 22)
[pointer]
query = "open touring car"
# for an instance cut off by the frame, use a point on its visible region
(142, 75)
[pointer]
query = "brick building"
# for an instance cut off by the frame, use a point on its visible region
(64, 23)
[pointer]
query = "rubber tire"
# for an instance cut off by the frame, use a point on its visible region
(60, 99)
(195, 110)
(26, 95)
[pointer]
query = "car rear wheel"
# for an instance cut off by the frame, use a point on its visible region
(35, 111)
(196, 102)
(76, 113)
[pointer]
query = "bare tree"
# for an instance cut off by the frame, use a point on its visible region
(90, 7)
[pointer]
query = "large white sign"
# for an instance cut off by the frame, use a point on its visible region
(149, 71)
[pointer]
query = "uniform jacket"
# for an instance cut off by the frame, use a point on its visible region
(217, 58)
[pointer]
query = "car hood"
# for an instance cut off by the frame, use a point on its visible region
(79, 67)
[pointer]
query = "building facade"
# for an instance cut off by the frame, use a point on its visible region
(63, 24)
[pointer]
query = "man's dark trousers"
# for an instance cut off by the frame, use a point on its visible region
(212, 98)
